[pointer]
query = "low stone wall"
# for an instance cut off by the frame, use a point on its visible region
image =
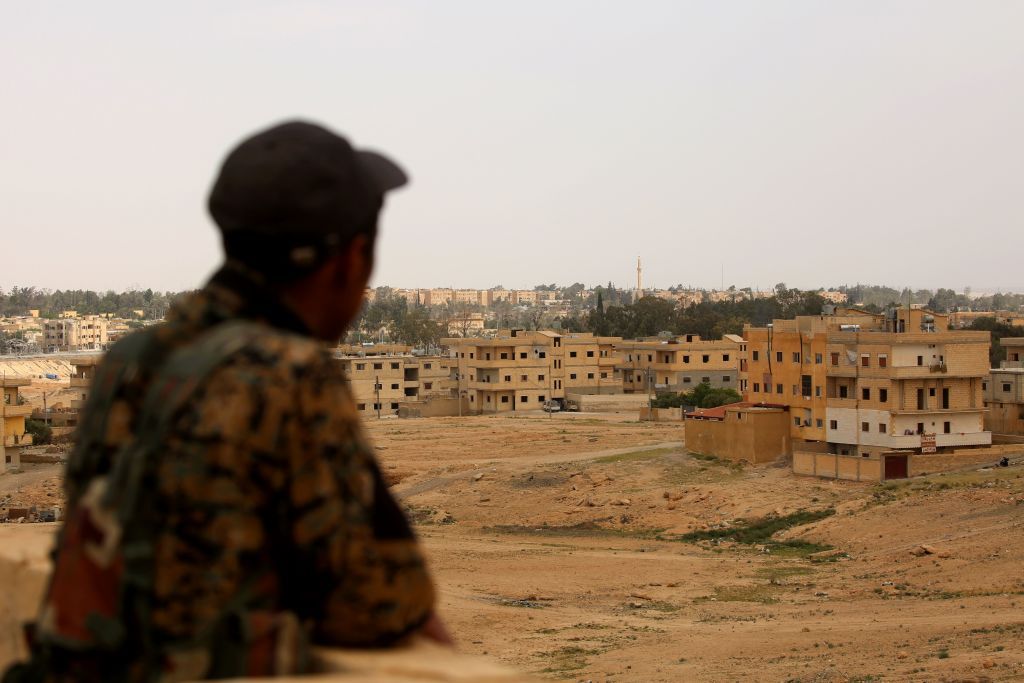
(963, 460)
(831, 466)
(24, 566)
(661, 414)
(433, 407)
(609, 403)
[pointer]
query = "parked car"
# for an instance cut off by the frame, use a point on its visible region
(551, 407)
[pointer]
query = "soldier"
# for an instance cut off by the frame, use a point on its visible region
(224, 507)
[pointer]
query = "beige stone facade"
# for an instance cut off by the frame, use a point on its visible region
(520, 370)
(680, 364)
(380, 383)
(71, 333)
(865, 384)
(740, 432)
(12, 424)
(1004, 390)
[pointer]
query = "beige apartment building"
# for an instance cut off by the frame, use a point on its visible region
(521, 370)
(681, 363)
(72, 333)
(382, 381)
(12, 423)
(864, 384)
(1004, 390)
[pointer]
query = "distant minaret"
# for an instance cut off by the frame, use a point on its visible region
(639, 279)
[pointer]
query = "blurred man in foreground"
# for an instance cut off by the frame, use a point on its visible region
(224, 507)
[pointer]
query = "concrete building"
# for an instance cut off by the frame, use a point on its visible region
(680, 364)
(381, 382)
(740, 431)
(520, 370)
(71, 333)
(1004, 390)
(12, 423)
(863, 384)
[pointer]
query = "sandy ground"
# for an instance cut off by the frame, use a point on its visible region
(558, 546)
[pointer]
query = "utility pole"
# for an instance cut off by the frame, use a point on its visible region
(376, 389)
(650, 397)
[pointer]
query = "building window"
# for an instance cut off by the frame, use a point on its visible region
(471, 355)
(865, 360)
(725, 358)
(865, 427)
(920, 427)
(835, 358)
(604, 375)
(523, 378)
(378, 366)
(540, 398)
(754, 355)
(376, 406)
(817, 391)
(817, 423)
(865, 394)
(504, 356)
(883, 395)
(572, 375)
(920, 360)
(833, 424)
(778, 389)
(1006, 386)
(726, 378)
(590, 375)
(572, 354)
(843, 392)
(778, 356)
(487, 356)
(360, 406)
(757, 387)
(508, 378)
(796, 421)
(394, 406)
(705, 380)
(796, 356)
(686, 380)
(522, 355)
(394, 386)
(427, 386)
(705, 358)
(590, 354)
(686, 359)
(883, 360)
(540, 378)
(504, 399)
(947, 427)
(394, 366)
(542, 354)
(360, 366)
(882, 428)
(650, 358)
(984, 386)
(817, 359)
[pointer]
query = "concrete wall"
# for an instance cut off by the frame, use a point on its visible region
(434, 407)
(609, 403)
(753, 435)
(830, 466)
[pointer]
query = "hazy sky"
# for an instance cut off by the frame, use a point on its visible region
(813, 142)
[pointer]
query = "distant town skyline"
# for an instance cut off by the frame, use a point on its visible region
(805, 142)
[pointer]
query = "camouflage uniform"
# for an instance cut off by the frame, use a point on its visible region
(269, 521)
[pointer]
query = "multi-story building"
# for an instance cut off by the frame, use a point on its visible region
(12, 423)
(382, 381)
(520, 370)
(1004, 390)
(864, 384)
(681, 363)
(75, 334)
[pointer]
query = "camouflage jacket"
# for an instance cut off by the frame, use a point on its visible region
(272, 521)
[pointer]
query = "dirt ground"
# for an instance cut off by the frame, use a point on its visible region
(595, 548)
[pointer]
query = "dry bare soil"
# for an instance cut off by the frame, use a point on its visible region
(595, 548)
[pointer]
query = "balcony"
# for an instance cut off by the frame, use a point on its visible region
(17, 411)
(17, 440)
(81, 382)
(936, 370)
(936, 411)
(842, 370)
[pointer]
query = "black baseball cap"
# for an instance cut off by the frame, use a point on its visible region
(300, 187)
